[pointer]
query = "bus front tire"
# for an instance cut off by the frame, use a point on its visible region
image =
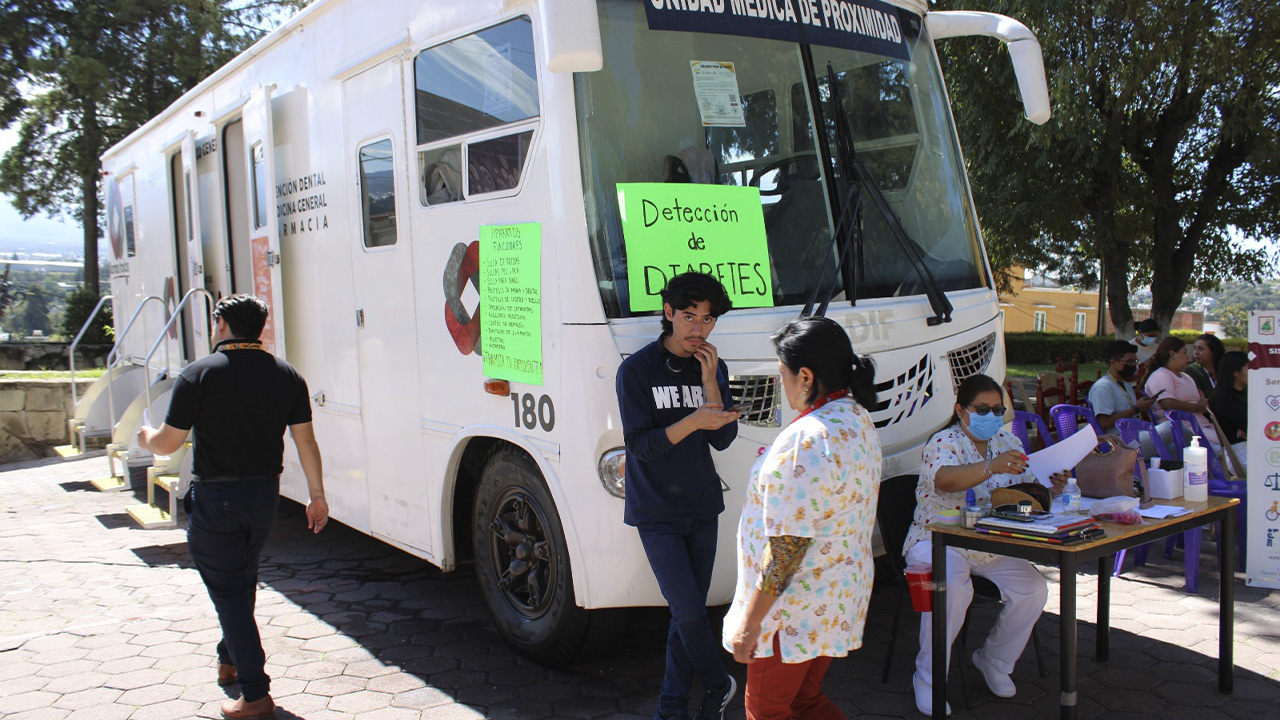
(522, 562)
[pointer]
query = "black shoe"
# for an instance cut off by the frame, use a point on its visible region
(714, 703)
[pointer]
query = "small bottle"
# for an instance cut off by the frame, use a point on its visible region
(1195, 486)
(1071, 497)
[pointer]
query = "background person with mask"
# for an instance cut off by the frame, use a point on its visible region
(1112, 397)
(1145, 335)
(975, 452)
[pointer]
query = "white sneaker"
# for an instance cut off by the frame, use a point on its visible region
(924, 697)
(1000, 684)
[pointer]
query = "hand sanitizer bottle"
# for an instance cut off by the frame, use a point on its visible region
(1071, 497)
(1195, 487)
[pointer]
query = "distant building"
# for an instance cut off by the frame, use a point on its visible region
(1042, 304)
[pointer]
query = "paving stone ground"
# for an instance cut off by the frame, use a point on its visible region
(105, 621)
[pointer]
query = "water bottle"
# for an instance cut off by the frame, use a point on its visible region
(1071, 497)
(1195, 486)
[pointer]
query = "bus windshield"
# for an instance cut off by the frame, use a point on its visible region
(639, 121)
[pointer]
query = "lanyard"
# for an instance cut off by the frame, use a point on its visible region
(823, 401)
(249, 345)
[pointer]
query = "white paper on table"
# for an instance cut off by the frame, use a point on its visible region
(1062, 456)
(1159, 512)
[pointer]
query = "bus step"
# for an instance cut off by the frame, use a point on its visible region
(150, 517)
(110, 484)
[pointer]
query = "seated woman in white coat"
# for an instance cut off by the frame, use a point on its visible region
(975, 452)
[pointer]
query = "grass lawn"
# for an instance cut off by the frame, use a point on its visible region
(1088, 371)
(86, 374)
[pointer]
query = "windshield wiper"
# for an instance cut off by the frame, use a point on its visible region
(856, 179)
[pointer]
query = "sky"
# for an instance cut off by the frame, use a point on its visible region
(40, 233)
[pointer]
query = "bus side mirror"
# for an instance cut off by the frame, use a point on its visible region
(571, 33)
(1024, 51)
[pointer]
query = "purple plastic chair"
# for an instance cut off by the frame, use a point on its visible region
(1066, 419)
(1020, 420)
(1131, 430)
(1219, 485)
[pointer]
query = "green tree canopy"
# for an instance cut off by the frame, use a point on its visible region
(1165, 135)
(79, 75)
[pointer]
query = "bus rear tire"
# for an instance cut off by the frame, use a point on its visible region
(522, 562)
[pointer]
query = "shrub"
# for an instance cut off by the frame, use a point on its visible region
(1234, 343)
(79, 304)
(1042, 348)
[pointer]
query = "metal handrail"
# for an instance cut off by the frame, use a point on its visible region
(71, 349)
(177, 313)
(115, 349)
(113, 356)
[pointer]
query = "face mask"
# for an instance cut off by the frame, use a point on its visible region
(1148, 341)
(985, 427)
(1128, 371)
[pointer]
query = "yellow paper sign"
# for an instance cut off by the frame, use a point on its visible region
(673, 228)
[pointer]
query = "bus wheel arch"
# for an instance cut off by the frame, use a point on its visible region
(522, 559)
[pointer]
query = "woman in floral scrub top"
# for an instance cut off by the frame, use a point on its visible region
(974, 452)
(804, 542)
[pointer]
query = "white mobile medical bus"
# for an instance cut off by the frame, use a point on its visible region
(375, 169)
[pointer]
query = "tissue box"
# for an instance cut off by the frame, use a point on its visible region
(1165, 484)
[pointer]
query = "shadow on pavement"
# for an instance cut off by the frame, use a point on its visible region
(348, 600)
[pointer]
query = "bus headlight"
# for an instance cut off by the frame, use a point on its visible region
(613, 472)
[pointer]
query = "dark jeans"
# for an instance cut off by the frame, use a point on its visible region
(230, 522)
(682, 554)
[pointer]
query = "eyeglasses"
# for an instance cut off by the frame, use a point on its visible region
(1131, 363)
(985, 409)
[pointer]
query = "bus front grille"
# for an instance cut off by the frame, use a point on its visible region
(899, 397)
(971, 359)
(759, 393)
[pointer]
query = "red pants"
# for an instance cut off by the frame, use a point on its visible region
(779, 691)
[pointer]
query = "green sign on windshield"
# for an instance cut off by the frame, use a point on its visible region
(671, 228)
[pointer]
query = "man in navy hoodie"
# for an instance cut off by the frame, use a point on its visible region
(672, 395)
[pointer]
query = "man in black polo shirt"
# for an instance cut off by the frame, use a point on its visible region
(239, 401)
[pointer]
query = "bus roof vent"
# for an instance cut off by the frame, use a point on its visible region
(971, 359)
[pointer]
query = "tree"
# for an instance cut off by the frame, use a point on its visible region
(1234, 320)
(79, 75)
(1164, 137)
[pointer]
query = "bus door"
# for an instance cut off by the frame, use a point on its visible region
(385, 312)
(191, 275)
(264, 235)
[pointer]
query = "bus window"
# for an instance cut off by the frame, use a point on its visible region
(258, 177)
(476, 82)
(494, 165)
(475, 99)
(441, 175)
(131, 249)
(377, 194)
(737, 148)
